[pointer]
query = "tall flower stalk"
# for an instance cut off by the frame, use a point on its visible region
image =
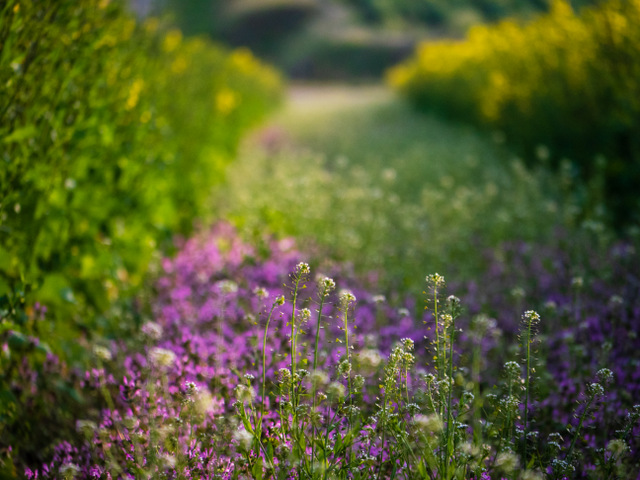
(277, 303)
(530, 321)
(346, 300)
(302, 270)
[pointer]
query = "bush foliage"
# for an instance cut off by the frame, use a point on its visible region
(565, 85)
(112, 135)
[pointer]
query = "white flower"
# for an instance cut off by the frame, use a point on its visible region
(326, 285)
(243, 438)
(303, 269)
(336, 390)
(318, 378)
(261, 293)
(344, 368)
(69, 471)
(305, 314)
(408, 344)
(370, 359)
(152, 330)
(227, 286)
(507, 462)
(102, 353)
(428, 424)
(435, 279)
(190, 389)
(86, 427)
(161, 357)
(168, 460)
(531, 316)
(617, 447)
(379, 299)
(346, 298)
(245, 393)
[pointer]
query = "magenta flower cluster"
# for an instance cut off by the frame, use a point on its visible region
(166, 402)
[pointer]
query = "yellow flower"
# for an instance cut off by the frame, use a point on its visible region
(226, 101)
(134, 93)
(172, 41)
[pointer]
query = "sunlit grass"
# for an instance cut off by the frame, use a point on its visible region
(357, 172)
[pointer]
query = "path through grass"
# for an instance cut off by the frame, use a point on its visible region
(358, 173)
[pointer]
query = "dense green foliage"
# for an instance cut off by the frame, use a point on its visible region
(564, 86)
(112, 136)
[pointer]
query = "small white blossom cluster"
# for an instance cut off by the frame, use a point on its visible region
(428, 424)
(326, 285)
(531, 317)
(344, 368)
(161, 357)
(86, 427)
(346, 298)
(370, 359)
(227, 286)
(305, 315)
(261, 293)
(243, 438)
(507, 462)
(319, 378)
(245, 393)
(102, 353)
(303, 269)
(69, 471)
(336, 390)
(379, 299)
(152, 330)
(435, 280)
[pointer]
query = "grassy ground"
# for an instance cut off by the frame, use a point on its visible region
(358, 173)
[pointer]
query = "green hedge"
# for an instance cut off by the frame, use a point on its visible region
(112, 135)
(564, 86)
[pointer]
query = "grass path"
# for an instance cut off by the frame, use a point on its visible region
(359, 173)
(370, 127)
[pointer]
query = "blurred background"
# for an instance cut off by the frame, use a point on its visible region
(336, 39)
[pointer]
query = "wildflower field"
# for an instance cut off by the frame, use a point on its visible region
(188, 292)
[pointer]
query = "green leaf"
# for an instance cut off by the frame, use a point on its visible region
(43, 348)
(21, 134)
(18, 342)
(256, 470)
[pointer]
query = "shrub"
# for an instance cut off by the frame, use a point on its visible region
(564, 85)
(113, 134)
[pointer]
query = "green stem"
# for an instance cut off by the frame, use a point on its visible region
(526, 396)
(582, 417)
(346, 339)
(293, 338)
(315, 349)
(264, 361)
(315, 367)
(438, 352)
(449, 448)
